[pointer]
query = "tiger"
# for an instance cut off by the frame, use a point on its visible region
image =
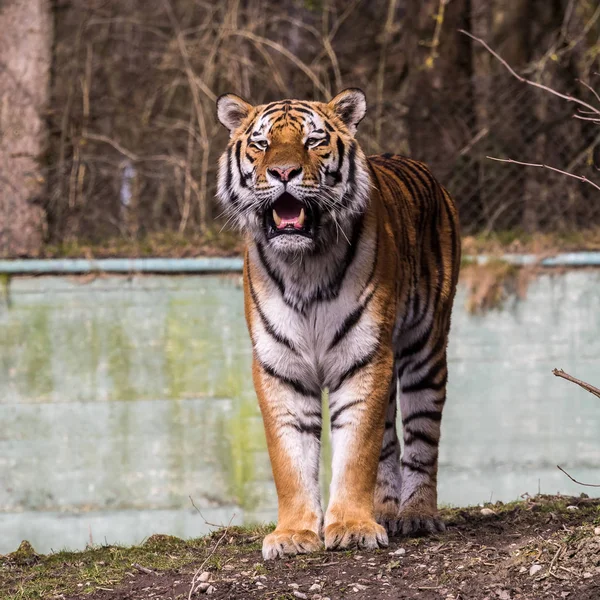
(350, 271)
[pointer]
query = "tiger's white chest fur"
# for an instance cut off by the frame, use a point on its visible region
(310, 304)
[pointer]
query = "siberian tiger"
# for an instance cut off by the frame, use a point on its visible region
(349, 277)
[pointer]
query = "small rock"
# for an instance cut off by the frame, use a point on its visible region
(204, 576)
(523, 570)
(338, 582)
(398, 552)
(315, 587)
(572, 507)
(359, 587)
(487, 512)
(211, 589)
(358, 557)
(300, 595)
(597, 531)
(202, 588)
(535, 569)
(587, 575)
(294, 586)
(503, 594)
(228, 568)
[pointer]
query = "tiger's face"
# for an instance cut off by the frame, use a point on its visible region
(293, 176)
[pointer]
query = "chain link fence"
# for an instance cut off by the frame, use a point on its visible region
(135, 143)
(527, 125)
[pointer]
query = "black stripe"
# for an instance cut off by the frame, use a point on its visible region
(335, 415)
(341, 149)
(350, 321)
(352, 164)
(428, 380)
(388, 450)
(357, 366)
(414, 467)
(390, 424)
(424, 384)
(293, 383)
(266, 323)
(439, 346)
(238, 149)
(303, 110)
(334, 287)
(267, 267)
(391, 499)
(270, 111)
(376, 259)
(420, 436)
(416, 346)
(304, 428)
(229, 173)
(430, 415)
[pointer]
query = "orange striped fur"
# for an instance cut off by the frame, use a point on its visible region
(349, 278)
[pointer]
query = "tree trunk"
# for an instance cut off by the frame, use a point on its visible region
(25, 60)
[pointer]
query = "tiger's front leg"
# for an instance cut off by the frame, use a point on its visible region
(292, 420)
(358, 403)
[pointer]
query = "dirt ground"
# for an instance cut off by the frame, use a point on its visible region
(545, 547)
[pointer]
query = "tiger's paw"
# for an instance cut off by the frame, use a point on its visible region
(412, 523)
(367, 535)
(387, 514)
(287, 542)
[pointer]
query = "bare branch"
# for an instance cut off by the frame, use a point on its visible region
(142, 569)
(589, 87)
(257, 39)
(204, 519)
(586, 386)
(199, 569)
(526, 164)
(594, 485)
(566, 97)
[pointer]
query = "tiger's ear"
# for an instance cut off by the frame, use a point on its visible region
(350, 106)
(232, 110)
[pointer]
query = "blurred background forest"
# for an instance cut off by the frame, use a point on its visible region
(107, 107)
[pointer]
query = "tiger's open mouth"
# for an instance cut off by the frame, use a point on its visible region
(289, 216)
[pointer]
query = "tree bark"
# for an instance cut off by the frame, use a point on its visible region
(25, 60)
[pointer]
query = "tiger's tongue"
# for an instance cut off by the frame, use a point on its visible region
(288, 211)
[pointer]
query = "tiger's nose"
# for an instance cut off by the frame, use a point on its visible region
(284, 173)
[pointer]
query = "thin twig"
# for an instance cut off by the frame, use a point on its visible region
(594, 485)
(205, 521)
(199, 569)
(542, 166)
(528, 81)
(558, 552)
(143, 569)
(586, 386)
(289, 55)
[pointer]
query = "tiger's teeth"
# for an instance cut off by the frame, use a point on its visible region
(276, 218)
(301, 218)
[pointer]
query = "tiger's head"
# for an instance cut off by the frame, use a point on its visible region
(293, 176)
